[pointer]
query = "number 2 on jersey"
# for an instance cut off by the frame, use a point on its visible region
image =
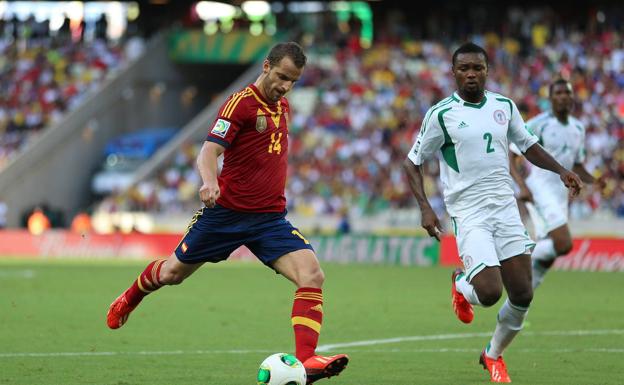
(275, 145)
(487, 136)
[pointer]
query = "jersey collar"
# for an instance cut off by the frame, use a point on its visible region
(259, 94)
(552, 115)
(461, 101)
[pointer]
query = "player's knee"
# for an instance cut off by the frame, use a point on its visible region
(522, 298)
(488, 296)
(563, 247)
(311, 278)
(317, 277)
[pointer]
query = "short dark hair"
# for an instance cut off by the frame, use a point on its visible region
(470, 47)
(290, 49)
(557, 82)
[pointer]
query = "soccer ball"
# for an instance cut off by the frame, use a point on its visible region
(281, 369)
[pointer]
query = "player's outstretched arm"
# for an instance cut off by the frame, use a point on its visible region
(207, 166)
(429, 220)
(541, 158)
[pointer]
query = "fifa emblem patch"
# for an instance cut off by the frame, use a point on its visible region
(499, 117)
(467, 260)
(221, 128)
(261, 123)
(184, 247)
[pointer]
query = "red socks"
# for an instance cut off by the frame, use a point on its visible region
(145, 284)
(307, 317)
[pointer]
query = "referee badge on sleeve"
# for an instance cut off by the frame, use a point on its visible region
(220, 128)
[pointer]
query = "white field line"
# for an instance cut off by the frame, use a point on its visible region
(139, 353)
(463, 350)
(329, 347)
(353, 344)
(18, 274)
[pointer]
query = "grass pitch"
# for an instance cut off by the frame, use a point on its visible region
(395, 323)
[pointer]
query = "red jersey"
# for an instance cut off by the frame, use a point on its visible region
(254, 133)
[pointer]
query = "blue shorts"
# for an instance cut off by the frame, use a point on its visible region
(214, 233)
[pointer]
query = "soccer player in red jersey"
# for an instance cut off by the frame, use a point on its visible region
(245, 205)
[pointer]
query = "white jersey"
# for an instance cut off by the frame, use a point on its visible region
(565, 142)
(473, 141)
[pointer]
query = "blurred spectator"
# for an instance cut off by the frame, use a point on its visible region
(3, 214)
(344, 226)
(101, 28)
(81, 224)
(38, 222)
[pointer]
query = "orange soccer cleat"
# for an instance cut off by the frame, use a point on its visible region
(118, 312)
(461, 307)
(496, 367)
(318, 367)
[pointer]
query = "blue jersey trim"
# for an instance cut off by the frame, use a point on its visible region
(217, 141)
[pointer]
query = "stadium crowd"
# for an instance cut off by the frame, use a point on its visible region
(43, 76)
(357, 112)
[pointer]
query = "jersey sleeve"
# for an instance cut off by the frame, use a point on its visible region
(580, 154)
(519, 133)
(514, 149)
(429, 140)
(228, 122)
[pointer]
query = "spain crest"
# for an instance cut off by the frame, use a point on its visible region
(261, 123)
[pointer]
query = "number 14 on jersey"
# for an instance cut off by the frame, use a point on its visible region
(275, 146)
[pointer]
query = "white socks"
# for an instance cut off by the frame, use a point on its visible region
(510, 318)
(544, 251)
(464, 287)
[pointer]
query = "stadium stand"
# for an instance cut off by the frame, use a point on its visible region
(43, 77)
(357, 109)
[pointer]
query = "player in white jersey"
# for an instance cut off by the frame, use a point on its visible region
(471, 131)
(563, 136)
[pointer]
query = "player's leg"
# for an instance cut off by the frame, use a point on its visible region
(480, 282)
(206, 240)
(483, 288)
(549, 214)
(157, 274)
(557, 243)
(516, 274)
(303, 269)
(513, 245)
(282, 247)
(488, 286)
